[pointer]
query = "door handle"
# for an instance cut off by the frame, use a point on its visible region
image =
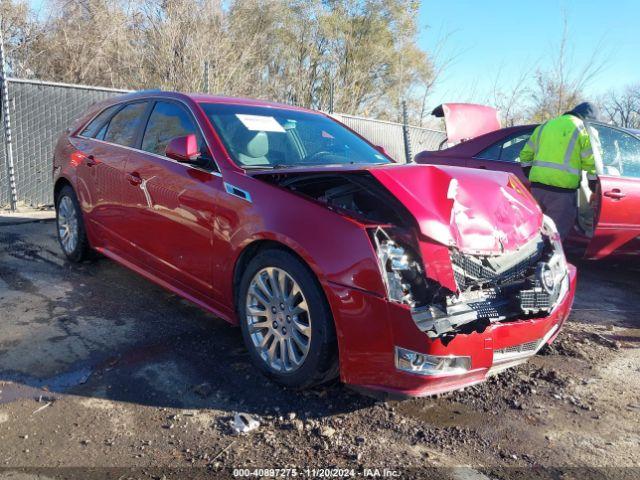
(134, 178)
(90, 161)
(616, 194)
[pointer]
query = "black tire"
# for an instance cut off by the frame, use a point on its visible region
(82, 250)
(321, 362)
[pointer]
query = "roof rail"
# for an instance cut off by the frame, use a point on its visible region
(151, 90)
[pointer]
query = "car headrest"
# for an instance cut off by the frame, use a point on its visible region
(253, 144)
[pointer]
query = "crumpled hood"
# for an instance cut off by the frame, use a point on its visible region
(477, 211)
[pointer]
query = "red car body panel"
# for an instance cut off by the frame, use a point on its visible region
(180, 227)
(368, 360)
(617, 219)
(467, 120)
(616, 200)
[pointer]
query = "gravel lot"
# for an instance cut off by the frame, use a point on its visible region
(99, 367)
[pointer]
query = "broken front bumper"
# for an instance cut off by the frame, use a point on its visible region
(370, 329)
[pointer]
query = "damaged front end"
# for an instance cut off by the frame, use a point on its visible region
(496, 259)
(525, 283)
(502, 259)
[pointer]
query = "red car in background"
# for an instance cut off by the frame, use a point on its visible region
(332, 259)
(608, 224)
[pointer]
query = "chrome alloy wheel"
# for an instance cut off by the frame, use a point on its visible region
(67, 224)
(278, 318)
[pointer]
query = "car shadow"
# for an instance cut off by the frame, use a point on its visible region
(99, 330)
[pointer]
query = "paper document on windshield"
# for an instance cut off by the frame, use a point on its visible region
(260, 123)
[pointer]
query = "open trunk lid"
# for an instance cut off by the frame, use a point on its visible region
(467, 120)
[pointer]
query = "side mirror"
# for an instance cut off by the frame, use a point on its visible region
(183, 149)
(381, 149)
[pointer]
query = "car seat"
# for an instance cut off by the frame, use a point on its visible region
(252, 147)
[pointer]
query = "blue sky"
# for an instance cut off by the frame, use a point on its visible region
(509, 37)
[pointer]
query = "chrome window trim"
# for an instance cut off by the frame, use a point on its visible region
(162, 157)
(217, 173)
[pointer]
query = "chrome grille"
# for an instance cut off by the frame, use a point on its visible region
(514, 352)
(522, 348)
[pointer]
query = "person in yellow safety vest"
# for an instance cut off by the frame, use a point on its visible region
(554, 157)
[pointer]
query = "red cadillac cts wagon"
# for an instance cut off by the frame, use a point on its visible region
(414, 279)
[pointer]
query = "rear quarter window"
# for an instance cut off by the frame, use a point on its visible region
(94, 126)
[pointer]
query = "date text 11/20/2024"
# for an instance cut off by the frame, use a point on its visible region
(316, 472)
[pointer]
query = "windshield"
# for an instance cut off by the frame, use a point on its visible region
(263, 137)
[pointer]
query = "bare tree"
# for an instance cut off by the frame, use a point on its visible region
(441, 60)
(509, 100)
(85, 41)
(560, 86)
(20, 29)
(363, 54)
(623, 107)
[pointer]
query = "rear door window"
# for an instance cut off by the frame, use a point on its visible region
(123, 127)
(505, 150)
(511, 148)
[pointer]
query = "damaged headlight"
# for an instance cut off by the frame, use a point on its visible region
(551, 276)
(554, 276)
(398, 269)
(551, 232)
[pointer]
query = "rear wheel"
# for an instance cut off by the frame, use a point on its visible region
(71, 231)
(285, 320)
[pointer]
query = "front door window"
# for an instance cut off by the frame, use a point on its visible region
(618, 150)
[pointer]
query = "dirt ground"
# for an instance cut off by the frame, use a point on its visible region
(101, 368)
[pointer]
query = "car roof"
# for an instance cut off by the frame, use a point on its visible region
(471, 147)
(219, 99)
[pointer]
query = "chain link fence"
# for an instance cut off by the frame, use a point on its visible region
(41, 111)
(389, 135)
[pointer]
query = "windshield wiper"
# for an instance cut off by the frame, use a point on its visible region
(269, 166)
(282, 165)
(277, 166)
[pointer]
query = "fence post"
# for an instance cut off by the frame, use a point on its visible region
(405, 133)
(4, 96)
(331, 97)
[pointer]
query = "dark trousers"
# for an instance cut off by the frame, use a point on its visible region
(560, 205)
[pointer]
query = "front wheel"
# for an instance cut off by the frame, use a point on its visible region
(71, 232)
(285, 320)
